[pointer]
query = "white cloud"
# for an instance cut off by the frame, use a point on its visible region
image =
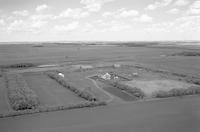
(158, 4)
(174, 11)
(143, 18)
(21, 13)
(38, 24)
(94, 5)
(66, 28)
(42, 7)
(121, 13)
(28, 25)
(76, 13)
(41, 17)
(194, 8)
(128, 13)
(17, 25)
(181, 2)
(151, 7)
(187, 24)
(2, 22)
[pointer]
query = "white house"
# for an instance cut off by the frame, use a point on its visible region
(106, 76)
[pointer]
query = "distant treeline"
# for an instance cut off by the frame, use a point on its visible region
(19, 65)
(187, 53)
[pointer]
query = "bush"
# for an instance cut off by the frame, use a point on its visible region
(19, 94)
(81, 93)
(177, 92)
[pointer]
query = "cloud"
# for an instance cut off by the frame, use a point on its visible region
(158, 4)
(194, 8)
(76, 13)
(41, 17)
(16, 25)
(174, 11)
(186, 24)
(2, 22)
(66, 28)
(143, 18)
(42, 7)
(121, 13)
(21, 13)
(38, 24)
(128, 13)
(28, 25)
(94, 5)
(181, 2)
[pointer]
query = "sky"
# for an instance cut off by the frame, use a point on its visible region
(99, 20)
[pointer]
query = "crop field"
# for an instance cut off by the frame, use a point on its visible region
(56, 78)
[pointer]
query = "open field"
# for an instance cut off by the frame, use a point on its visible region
(177, 115)
(127, 78)
(49, 91)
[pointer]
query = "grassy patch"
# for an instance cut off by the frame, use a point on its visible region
(19, 94)
(81, 93)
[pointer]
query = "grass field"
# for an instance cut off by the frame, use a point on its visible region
(175, 114)
(49, 91)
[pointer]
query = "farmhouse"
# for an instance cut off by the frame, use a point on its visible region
(106, 76)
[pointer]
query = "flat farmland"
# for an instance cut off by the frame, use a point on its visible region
(121, 112)
(49, 91)
(149, 56)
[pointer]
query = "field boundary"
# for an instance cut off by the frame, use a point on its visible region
(53, 108)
